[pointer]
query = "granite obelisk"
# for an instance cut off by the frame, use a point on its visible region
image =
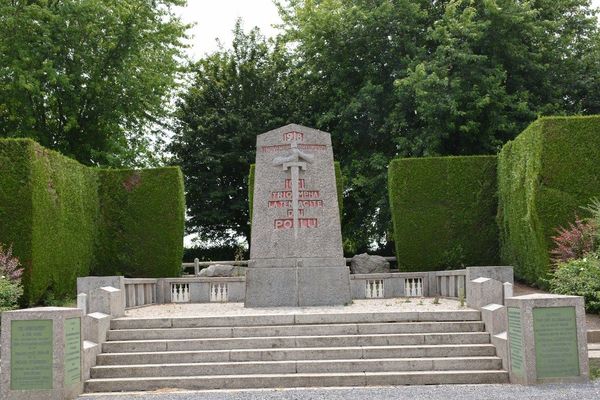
(296, 256)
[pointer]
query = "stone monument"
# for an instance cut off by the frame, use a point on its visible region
(547, 339)
(41, 354)
(296, 256)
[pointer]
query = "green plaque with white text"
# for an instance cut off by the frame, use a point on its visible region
(72, 351)
(555, 335)
(515, 338)
(31, 354)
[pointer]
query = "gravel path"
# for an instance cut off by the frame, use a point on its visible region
(357, 306)
(445, 392)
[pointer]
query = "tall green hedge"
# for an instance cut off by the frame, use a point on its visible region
(48, 212)
(544, 176)
(141, 222)
(56, 212)
(443, 211)
(16, 203)
(339, 183)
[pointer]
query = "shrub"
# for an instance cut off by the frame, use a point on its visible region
(10, 293)
(10, 280)
(574, 242)
(222, 252)
(544, 176)
(443, 211)
(579, 278)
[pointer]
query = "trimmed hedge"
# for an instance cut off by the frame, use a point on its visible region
(339, 183)
(50, 211)
(443, 211)
(544, 176)
(141, 222)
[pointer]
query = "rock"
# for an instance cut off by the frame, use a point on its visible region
(367, 264)
(215, 270)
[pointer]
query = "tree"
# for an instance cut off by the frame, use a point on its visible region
(494, 66)
(88, 78)
(349, 54)
(234, 95)
(422, 78)
(401, 78)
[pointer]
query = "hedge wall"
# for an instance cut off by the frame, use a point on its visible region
(443, 211)
(50, 211)
(545, 175)
(141, 222)
(339, 182)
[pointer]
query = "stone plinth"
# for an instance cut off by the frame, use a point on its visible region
(547, 339)
(41, 354)
(296, 256)
(484, 291)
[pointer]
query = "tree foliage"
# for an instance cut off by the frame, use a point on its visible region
(88, 77)
(403, 78)
(235, 95)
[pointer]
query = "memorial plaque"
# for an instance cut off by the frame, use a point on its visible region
(555, 335)
(296, 255)
(515, 335)
(72, 351)
(31, 355)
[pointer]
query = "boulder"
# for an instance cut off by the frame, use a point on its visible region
(215, 270)
(367, 264)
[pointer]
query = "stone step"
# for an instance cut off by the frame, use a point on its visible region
(314, 353)
(594, 354)
(295, 319)
(303, 366)
(295, 341)
(209, 382)
(294, 330)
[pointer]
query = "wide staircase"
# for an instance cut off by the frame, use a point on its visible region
(300, 350)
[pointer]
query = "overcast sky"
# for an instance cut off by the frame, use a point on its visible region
(215, 19)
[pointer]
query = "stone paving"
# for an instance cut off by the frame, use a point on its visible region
(443, 392)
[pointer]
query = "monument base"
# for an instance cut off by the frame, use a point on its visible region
(299, 286)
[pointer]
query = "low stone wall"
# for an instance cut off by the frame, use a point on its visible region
(194, 289)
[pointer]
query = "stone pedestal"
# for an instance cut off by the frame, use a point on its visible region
(304, 284)
(484, 291)
(547, 339)
(41, 354)
(296, 256)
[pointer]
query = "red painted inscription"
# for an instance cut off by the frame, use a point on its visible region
(288, 223)
(293, 136)
(288, 184)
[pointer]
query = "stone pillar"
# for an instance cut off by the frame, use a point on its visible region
(508, 290)
(484, 291)
(106, 300)
(547, 339)
(41, 354)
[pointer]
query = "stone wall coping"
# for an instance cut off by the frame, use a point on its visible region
(129, 281)
(204, 279)
(385, 275)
